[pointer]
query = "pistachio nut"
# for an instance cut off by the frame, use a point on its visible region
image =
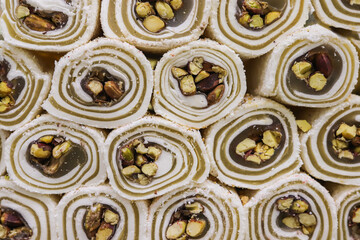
(299, 206)
(308, 230)
(253, 6)
(22, 11)
(307, 219)
(140, 160)
(127, 156)
(346, 154)
(61, 149)
(194, 207)
(153, 23)
(284, 204)
(256, 22)
(272, 17)
(46, 139)
(176, 4)
(338, 144)
(176, 230)
(272, 138)
(95, 87)
(195, 227)
(302, 69)
(245, 145)
(244, 19)
(164, 10)
(154, 152)
(187, 85)
(93, 219)
(215, 95)
(303, 125)
(149, 169)
(202, 75)
(111, 217)
(178, 73)
(113, 89)
(40, 150)
(129, 171)
(39, 24)
(20, 233)
(198, 61)
(5, 89)
(323, 64)
(105, 231)
(355, 218)
(59, 19)
(348, 132)
(143, 179)
(354, 2)
(193, 68)
(317, 81)
(144, 9)
(253, 158)
(291, 222)
(3, 231)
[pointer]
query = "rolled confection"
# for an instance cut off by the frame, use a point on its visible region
(153, 156)
(108, 86)
(330, 150)
(339, 13)
(201, 211)
(253, 28)
(3, 136)
(255, 146)
(99, 212)
(312, 67)
(25, 215)
(53, 156)
(198, 84)
(347, 201)
(296, 207)
(23, 87)
(155, 26)
(49, 25)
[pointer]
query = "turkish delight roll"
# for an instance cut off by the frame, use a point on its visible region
(253, 27)
(155, 26)
(53, 156)
(198, 211)
(197, 84)
(105, 83)
(312, 67)
(49, 25)
(25, 215)
(255, 146)
(98, 212)
(296, 207)
(153, 156)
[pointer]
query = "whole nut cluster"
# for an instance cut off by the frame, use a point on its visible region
(260, 148)
(103, 87)
(346, 141)
(100, 222)
(200, 76)
(155, 13)
(187, 221)
(314, 68)
(295, 213)
(48, 153)
(138, 161)
(13, 225)
(257, 14)
(38, 20)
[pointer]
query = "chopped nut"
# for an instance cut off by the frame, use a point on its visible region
(303, 125)
(302, 70)
(140, 160)
(111, 217)
(198, 61)
(272, 17)
(291, 222)
(193, 68)
(346, 154)
(40, 150)
(341, 128)
(105, 231)
(3, 231)
(144, 9)
(127, 156)
(299, 206)
(221, 71)
(176, 230)
(154, 152)
(349, 132)
(11, 219)
(37, 23)
(149, 169)
(46, 139)
(209, 83)
(113, 90)
(338, 144)
(308, 230)
(61, 149)
(129, 171)
(20, 233)
(153, 23)
(215, 95)
(141, 149)
(4, 89)
(266, 155)
(354, 2)
(202, 75)
(356, 216)
(187, 85)
(244, 19)
(317, 81)
(164, 10)
(254, 6)
(256, 22)
(245, 145)
(307, 220)
(272, 138)
(93, 219)
(195, 227)
(194, 207)
(284, 204)
(143, 179)
(253, 158)
(95, 87)
(60, 19)
(178, 73)
(323, 64)
(176, 4)
(22, 11)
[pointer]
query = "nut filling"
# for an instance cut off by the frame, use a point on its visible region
(39, 20)
(104, 88)
(188, 221)
(345, 142)
(13, 225)
(201, 77)
(100, 222)
(55, 156)
(155, 14)
(138, 161)
(295, 214)
(9, 89)
(255, 14)
(354, 222)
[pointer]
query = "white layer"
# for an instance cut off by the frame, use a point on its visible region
(190, 111)
(118, 58)
(71, 211)
(221, 207)
(183, 162)
(29, 177)
(3, 136)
